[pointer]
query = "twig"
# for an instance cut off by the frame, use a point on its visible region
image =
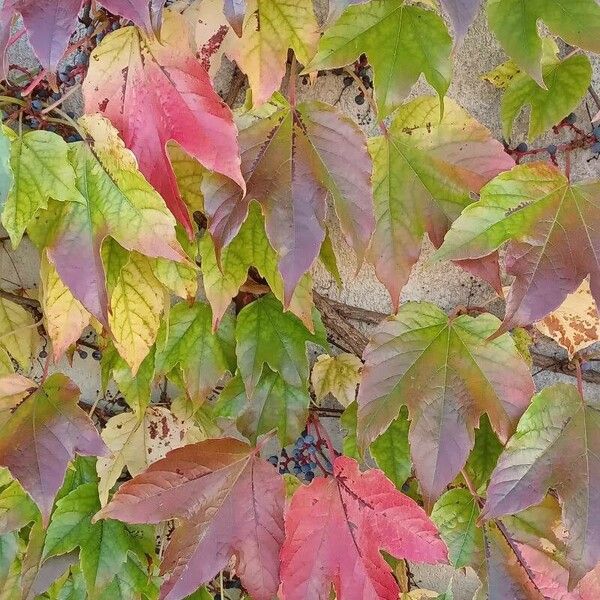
(237, 82)
(56, 104)
(30, 303)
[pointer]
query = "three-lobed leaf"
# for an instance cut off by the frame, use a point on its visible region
(156, 91)
(224, 496)
(541, 215)
(291, 160)
(447, 372)
(43, 434)
(401, 42)
(555, 445)
(335, 528)
(515, 24)
(425, 171)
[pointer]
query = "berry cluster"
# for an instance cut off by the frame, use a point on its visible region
(305, 457)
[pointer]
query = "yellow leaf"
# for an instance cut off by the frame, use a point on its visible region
(575, 323)
(18, 334)
(336, 375)
(136, 443)
(137, 301)
(188, 172)
(502, 75)
(64, 316)
(13, 388)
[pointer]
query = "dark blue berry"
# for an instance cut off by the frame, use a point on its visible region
(43, 354)
(309, 476)
(552, 149)
(360, 99)
(97, 355)
(571, 119)
(82, 354)
(81, 58)
(296, 470)
(37, 105)
(309, 439)
(522, 147)
(273, 459)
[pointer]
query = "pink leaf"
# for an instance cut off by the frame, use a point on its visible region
(336, 527)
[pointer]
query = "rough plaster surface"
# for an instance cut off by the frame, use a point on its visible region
(444, 284)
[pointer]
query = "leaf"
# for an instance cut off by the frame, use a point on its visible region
(18, 335)
(391, 451)
(485, 454)
(136, 442)
(234, 11)
(274, 405)
(213, 37)
(43, 434)
(554, 446)
(336, 375)
(536, 210)
(269, 29)
(455, 514)
(13, 389)
(154, 92)
(462, 13)
(291, 160)
(118, 204)
(136, 305)
(104, 546)
(135, 389)
(223, 494)
(329, 260)
(6, 175)
(401, 41)
(501, 76)
(575, 324)
(16, 509)
(50, 23)
(515, 24)
(448, 374)
(567, 82)
(39, 162)
(187, 344)
(249, 248)
(64, 316)
(267, 335)
(348, 426)
(502, 570)
(335, 528)
(425, 173)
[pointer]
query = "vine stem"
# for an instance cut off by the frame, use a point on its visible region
(33, 83)
(579, 377)
(56, 104)
(322, 432)
(471, 488)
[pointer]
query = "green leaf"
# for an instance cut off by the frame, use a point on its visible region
(249, 248)
(455, 515)
(274, 405)
(567, 82)
(16, 508)
(41, 168)
(329, 260)
(515, 24)
(10, 567)
(391, 450)
(485, 454)
(401, 41)
(129, 583)
(71, 526)
(186, 343)
(265, 334)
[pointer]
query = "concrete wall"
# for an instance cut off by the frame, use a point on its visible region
(445, 285)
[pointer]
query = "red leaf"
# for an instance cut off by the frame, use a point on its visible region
(230, 502)
(43, 434)
(50, 24)
(335, 528)
(154, 92)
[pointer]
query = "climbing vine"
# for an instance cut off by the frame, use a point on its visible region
(179, 227)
